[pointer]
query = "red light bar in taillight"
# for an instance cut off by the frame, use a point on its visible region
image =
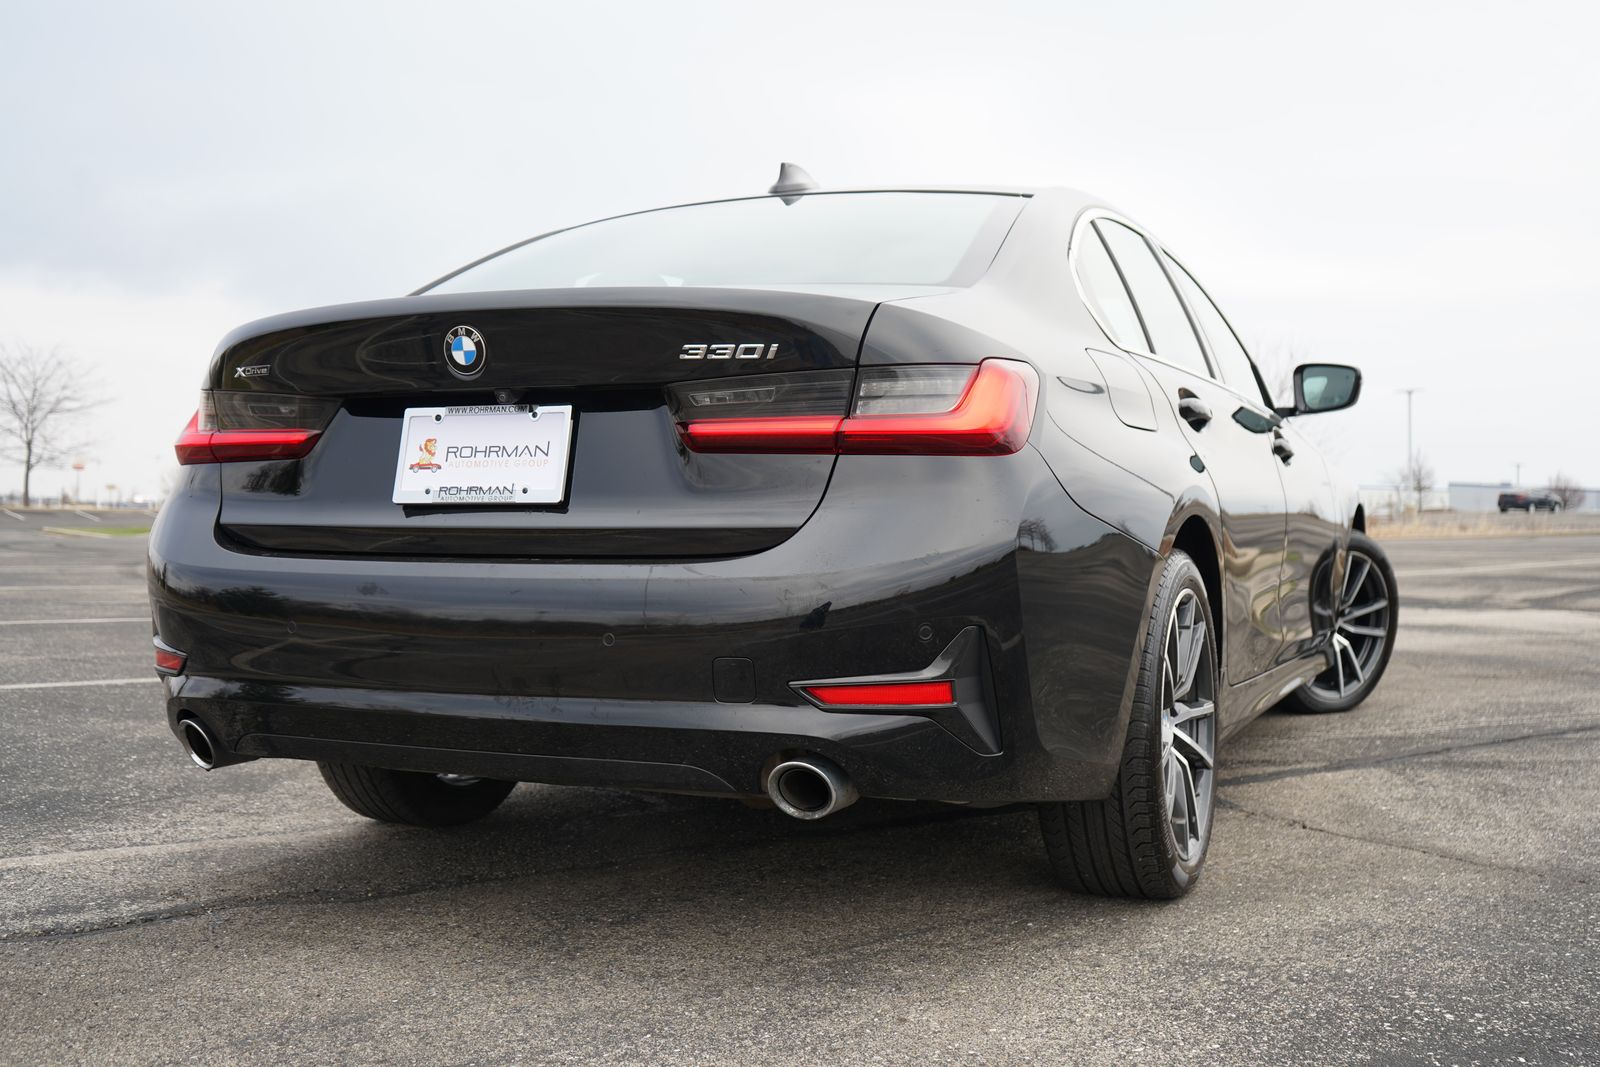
(780, 433)
(992, 417)
(884, 694)
(195, 445)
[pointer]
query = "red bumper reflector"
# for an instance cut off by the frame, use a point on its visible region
(885, 694)
(195, 445)
(169, 662)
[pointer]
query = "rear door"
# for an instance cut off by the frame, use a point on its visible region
(1314, 527)
(1231, 438)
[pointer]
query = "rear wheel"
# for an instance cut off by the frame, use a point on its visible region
(1149, 838)
(1363, 619)
(412, 797)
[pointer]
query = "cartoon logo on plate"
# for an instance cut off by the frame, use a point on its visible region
(430, 452)
(465, 352)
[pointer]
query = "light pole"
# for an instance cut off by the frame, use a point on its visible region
(1518, 482)
(1411, 455)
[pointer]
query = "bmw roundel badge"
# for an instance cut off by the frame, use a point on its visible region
(465, 352)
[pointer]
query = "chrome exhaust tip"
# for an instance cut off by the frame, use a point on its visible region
(810, 787)
(198, 743)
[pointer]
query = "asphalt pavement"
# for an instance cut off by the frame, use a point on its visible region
(1411, 882)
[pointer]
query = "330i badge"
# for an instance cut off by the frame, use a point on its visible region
(965, 496)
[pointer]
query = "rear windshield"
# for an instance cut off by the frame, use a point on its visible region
(817, 239)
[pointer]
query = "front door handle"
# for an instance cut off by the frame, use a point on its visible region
(1280, 447)
(1194, 411)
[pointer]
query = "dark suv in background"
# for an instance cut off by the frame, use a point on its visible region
(1520, 501)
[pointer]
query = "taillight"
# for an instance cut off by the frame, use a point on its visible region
(992, 415)
(253, 426)
(985, 410)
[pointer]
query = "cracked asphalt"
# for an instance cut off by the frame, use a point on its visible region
(1411, 882)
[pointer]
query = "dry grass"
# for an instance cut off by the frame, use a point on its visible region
(1454, 524)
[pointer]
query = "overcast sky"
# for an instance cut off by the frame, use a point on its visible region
(1411, 188)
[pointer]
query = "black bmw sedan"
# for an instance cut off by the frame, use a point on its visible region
(968, 496)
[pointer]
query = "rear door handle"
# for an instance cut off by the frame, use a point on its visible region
(1280, 447)
(1194, 411)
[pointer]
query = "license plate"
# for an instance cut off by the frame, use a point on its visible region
(498, 454)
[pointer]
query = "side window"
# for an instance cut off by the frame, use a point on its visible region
(1104, 292)
(1231, 357)
(1171, 336)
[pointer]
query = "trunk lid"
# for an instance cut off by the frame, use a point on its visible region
(611, 354)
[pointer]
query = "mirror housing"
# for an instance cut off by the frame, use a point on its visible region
(1320, 387)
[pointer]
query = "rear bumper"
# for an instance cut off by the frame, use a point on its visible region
(691, 747)
(675, 675)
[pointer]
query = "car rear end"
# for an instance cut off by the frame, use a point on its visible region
(639, 536)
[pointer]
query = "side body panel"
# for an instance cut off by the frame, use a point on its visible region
(1317, 534)
(1137, 481)
(1250, 506)
(1238, 457)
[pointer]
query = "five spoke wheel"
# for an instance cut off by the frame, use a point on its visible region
(1359, 620)
(1188, 723)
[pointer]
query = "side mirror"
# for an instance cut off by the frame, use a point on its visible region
(1323, 387)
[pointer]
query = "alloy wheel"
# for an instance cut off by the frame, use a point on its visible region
(1188, 724)
(1359, 619)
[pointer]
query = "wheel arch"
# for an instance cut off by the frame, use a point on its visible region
(1197, 539)
(1196, 528)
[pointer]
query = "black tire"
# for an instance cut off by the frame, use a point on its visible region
(413, 798)
(1125, 845)
(1316, 697)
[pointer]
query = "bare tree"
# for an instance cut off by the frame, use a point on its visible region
(1566, 490)
(39, 394)
(1416, 477)
(1276, 359)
